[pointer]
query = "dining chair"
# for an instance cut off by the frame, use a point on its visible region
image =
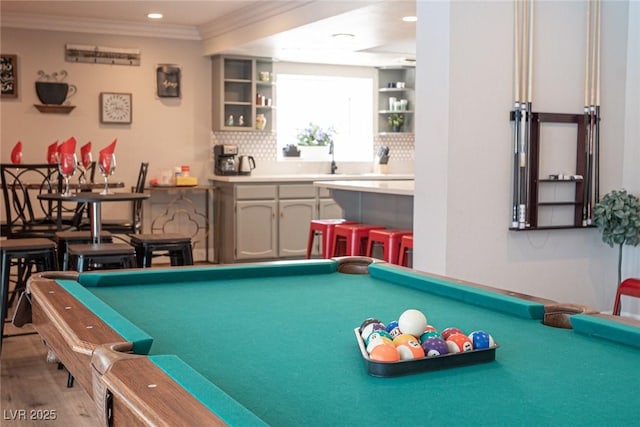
(25, 215)
(132, 225)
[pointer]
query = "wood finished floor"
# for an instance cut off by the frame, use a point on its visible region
(30, 387)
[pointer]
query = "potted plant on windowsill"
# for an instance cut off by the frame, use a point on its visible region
(617, 216)
(315, 141)
(396, 121)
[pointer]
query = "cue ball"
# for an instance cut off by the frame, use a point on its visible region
(481, 340)
(385, 353)
(459, 343)
(412, 322)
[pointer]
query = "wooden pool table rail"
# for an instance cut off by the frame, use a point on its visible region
(53, 310)
(130, 390)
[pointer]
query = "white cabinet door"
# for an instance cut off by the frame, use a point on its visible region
(295, 216)
(329, 209)
(256, 229)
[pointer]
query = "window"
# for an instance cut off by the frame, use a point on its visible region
(344, 104)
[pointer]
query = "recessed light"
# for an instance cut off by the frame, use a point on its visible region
(154, 15)
(342, 35)
(410, 18)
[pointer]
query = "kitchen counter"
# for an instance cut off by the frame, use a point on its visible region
(387, 203)
(399, 187)
(308, 177)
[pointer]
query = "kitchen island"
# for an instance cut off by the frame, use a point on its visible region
(388, 203)
(266, 217)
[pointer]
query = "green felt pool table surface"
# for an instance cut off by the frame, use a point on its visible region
(278, 339)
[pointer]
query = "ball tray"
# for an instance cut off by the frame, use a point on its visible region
(405, 367)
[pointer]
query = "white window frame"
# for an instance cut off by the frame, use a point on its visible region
(355, 123)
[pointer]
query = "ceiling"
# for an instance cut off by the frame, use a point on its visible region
(370, 33)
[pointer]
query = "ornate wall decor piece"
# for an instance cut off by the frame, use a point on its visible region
(9, 76)
(101, 55)
(168, 80)
(52, 89)
(116, 108)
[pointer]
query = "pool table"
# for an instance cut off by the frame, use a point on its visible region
(274, 344)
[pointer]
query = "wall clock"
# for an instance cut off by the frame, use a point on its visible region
(115, 107)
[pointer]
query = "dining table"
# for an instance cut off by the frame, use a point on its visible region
(94, 201)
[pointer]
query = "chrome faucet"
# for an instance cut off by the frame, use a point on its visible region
(334, 167)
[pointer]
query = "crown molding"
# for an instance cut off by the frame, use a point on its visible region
(99, 26)
(248, 16)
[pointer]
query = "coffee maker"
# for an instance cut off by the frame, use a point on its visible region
(224, 159)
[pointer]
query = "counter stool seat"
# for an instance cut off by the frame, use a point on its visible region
(390, 239)
(66, 238)
(177, 246)
(629, 287)
(101, 256)
(324, 227)
(406, 243)
(24, 254)
(355, 236)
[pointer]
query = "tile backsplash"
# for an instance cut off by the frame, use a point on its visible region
(263, 147)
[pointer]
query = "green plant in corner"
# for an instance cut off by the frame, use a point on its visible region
(396, 121)
(617, 216)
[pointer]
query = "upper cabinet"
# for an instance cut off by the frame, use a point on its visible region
(396, 98)
(243, 94)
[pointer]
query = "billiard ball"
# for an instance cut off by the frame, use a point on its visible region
(429, 334)
(459, 343)
(379, 327)
(369, 328)
(410, 350)
(430, 328)
(376, 341)
(393, 328)
(378, 334)
(447, 332)
(481, 339)
(403, 338)
(412, 322)
(435, 346)
(367, 321)
(385, 353)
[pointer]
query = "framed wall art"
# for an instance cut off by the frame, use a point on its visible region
(9, 76)
(115, 108)
(168, 81)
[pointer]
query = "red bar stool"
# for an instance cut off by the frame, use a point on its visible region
(390, 239)
(406, 242)
(629, 287)
(325, 227)
(355, 235)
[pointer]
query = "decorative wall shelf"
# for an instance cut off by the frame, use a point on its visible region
(56, 109)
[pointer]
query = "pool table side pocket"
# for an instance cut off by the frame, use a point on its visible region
(70, 330)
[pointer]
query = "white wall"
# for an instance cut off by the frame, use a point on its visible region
(463, 141)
